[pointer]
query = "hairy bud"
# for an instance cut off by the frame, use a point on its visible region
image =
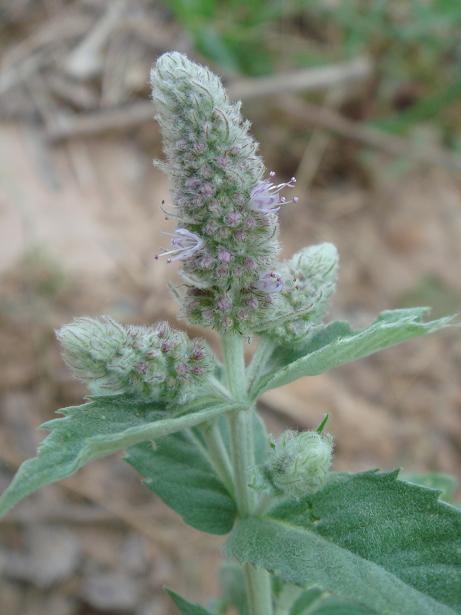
(309, 281)
(226, 213)
(153, 362)
(299, 462)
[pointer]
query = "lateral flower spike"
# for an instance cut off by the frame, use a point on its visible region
(226, 212)
(158, 362)
(308, 282)
(299, 463)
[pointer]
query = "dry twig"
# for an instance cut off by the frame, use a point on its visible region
(317, 145)
(306, 80)
(308, 114)
(138, 113)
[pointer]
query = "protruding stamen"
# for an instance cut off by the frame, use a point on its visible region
(266, 198)
(185, 244)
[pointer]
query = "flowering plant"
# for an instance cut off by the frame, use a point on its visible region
(304, 540)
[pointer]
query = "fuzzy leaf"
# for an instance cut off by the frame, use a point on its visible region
(334, 606)
(185, 607)
(445, 483)
(96, 429)
(337, 343)
(390, 545)
(314, 601)
(179, 473)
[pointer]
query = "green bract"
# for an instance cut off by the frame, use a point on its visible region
(309, 279)
(303, 539)
(299, 462)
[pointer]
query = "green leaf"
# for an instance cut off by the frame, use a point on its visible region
(389, 545)
(179, 473)
(337, 343)
(334, 606)
(185, 607)
(445, 483)
(99, 428)
(317, 602)
(177, 469)
(306, 601)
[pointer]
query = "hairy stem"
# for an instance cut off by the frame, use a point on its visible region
(218, 454)
(258, 589)
(240, 424)
(257, 580)
(262, 354)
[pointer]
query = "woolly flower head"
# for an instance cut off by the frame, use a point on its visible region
(299, 463)
(225, 210)
(308, 281)
(152, 362)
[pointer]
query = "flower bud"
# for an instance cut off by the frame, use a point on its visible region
(225, 211)
(150, 362)
(309, 281)
(299, 463)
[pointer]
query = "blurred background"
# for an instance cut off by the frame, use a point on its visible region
(361, 101)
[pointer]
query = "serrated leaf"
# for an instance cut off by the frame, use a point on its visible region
(445, 483)
(390, 545)
(337, 343)
(185, 607)
(96, 429)
(178, 472)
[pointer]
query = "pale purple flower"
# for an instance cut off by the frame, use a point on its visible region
(193, 183)
(197, 354)
(233, 218)
(270, 282)
(182, 369)
(206, 189)
(224, 255)
(184, 243)
(266, 198)
(224, 303)
(250, 263)
(206, 261)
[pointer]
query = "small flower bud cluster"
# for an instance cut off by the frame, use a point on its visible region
(226, 212)
(299, 463)
(309, 281)
(157, 363)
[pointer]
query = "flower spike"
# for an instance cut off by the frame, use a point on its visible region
(225, 238)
